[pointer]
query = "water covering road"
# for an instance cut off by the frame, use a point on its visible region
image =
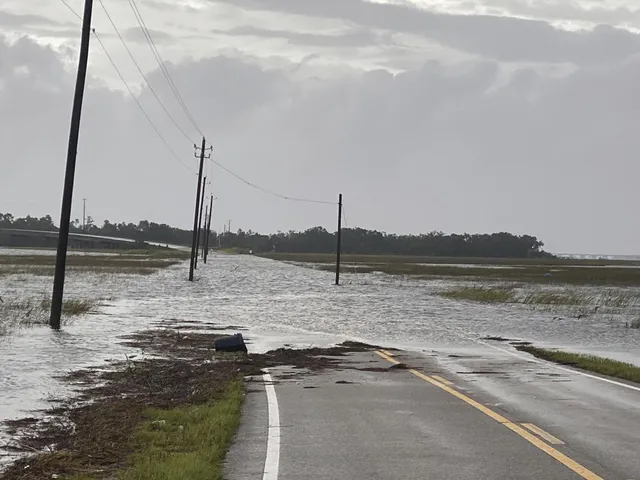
(279, 303)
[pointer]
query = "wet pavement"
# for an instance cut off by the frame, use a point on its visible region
(512, 418)
(279, 304)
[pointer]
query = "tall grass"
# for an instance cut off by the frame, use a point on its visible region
(481, 294)
(31, 313)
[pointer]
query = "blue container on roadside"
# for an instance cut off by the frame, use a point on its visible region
(232, 343)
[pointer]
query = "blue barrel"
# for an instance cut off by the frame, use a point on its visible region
(232, 343)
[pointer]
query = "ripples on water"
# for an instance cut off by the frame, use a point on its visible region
(280, 303)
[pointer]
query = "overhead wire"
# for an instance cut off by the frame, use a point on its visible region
(178, 96)
(71, 9)
(257, 187)
(153, 125)
(151, 89)
(161, 64)
(155, 128)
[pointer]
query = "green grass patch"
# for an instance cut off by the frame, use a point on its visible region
(480, 294)
(603, 366)
(187, 443)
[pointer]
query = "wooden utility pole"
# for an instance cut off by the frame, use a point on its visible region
(204, 239)
(208, 228)
(339, 240)
(195, 217)
(84, 215)
(204, 185)
(72, 152)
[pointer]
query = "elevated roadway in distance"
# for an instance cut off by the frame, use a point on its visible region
(49, 239)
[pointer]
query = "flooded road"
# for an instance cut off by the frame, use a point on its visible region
(279, 303)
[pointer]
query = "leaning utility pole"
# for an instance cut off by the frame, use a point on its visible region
(72, 152)
(204, 185)
(195, 217)
(207, 238)
(339, 240)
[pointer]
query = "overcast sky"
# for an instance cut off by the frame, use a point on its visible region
(454, 115)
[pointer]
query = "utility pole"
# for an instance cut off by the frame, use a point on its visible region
(208, 237)
(84, 215)
(195, 217)
(72, 153)
(204, 185)
(204, 238)
(339, 240)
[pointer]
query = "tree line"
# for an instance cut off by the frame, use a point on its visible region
(313, 240)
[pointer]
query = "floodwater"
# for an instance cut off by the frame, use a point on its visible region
(280, 304)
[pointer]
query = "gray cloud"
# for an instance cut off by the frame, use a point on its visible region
(8, 19)
(135, 34)
(500, 38)
(448, 148)
(360, 38)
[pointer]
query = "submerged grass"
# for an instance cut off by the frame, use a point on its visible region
(187, 442)
(612, 300)
(481, 294)
(545, 271)
(603, 366)
(31, 313)
(145, 262)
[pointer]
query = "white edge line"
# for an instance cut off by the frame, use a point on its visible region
(272, 460)
(558, 367)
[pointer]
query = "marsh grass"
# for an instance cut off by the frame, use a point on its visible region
(32, 313)
(481, 294)
(611, 300)
(125, 264)
(544, 271)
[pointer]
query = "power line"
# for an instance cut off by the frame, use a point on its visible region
(153, 125)
(257, 187)
(161, 64)
(142, 73)
(175, 155)
(72, 10)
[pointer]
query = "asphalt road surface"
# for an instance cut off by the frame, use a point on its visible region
(487, 413)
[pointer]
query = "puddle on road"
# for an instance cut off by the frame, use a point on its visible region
(280, 304)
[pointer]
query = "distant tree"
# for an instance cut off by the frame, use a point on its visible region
(313, 240)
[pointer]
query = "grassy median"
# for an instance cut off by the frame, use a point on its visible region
(603, 366)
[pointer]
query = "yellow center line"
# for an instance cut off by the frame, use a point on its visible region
(541, 433)
(548, 449)
(443, 380)
(387, 357)
(387, 353)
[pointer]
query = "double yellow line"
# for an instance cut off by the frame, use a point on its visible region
(546, 448)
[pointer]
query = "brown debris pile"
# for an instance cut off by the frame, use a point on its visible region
(92, 435)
